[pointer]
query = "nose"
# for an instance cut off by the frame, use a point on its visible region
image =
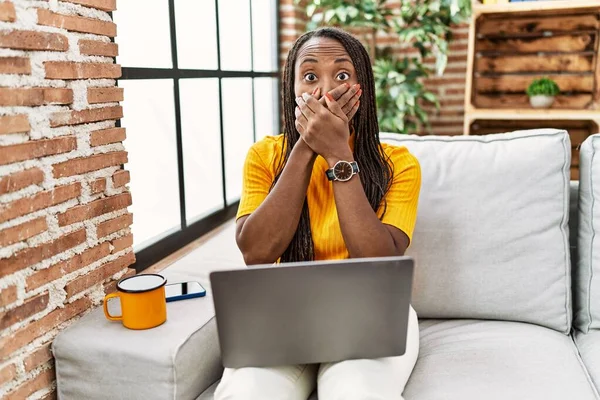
(327, 85)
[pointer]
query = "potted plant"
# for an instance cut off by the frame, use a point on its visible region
(541, 92)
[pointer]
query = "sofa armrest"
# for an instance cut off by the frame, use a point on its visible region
(99, 359)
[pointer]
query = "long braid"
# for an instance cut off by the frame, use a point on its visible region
(375, 170)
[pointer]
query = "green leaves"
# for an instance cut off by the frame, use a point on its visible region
(421, 24)
(543, 86)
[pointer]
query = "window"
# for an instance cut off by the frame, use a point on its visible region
(201, 85)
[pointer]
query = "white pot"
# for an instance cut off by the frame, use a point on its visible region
(541, 101)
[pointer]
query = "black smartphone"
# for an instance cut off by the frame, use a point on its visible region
(184, 290)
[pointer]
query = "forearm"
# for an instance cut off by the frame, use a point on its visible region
(267, 232)
(364, 234)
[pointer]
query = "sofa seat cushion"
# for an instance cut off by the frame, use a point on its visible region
(586, 282)
(474, 359)
(491, 239)
(589, 349)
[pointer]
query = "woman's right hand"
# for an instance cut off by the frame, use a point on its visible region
(346, 96)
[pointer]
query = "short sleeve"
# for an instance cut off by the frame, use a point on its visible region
(256, 183)
(402, 198)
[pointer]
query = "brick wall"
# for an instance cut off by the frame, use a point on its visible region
(64, 224)
(450, 88)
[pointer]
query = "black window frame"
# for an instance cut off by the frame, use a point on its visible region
(159, 250)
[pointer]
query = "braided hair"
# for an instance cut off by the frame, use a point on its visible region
(375, 170)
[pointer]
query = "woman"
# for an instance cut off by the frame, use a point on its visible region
(327, 189)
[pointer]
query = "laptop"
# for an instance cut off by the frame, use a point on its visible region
(314, 312)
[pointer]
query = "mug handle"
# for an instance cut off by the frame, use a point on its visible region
(105, 306)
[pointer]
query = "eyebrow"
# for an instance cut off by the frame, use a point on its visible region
(313, 60)
(337, 60)
(340, 60)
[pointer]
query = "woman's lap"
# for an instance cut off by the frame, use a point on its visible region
(383, 378)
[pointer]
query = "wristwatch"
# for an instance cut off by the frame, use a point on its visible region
(342, 171)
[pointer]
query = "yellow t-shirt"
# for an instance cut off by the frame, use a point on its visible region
(402, 197)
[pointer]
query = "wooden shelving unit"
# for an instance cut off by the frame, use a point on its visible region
(511, 44)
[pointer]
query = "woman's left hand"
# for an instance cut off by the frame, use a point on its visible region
(324, 129)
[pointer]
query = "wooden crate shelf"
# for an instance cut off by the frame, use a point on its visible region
(535, 8)
(512, 44)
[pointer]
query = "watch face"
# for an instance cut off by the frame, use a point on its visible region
(342, 170)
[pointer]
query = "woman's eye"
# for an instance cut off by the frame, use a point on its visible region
(310, 77)
(343, 76)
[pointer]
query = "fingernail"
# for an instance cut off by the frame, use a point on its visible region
(298, 100)
(329, 96)
(305, 96)
(358, 86)
(359, 92)
(347, 85)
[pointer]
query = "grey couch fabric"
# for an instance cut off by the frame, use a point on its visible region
(97, 359)
(475, 359)
(589, 348)
(491, 239)
(587, 273)
(472, 262)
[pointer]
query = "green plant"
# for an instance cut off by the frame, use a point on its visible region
(543, 86)
(424, 25)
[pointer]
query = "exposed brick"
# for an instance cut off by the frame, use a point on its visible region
(94, 209)
(84, 116)
(8, 373)
(14, 124)
(76, 23)
(7, 12)
(30, 307)
(98, 48)
(39, 201)
(41, 381)
(20, 180)
(122, 243)
(15, 65)
(121, 178)
(78, 166)
(76, 70)
(38, 357)
(104, 95)
(99, 274)
(106, 136)
(63, 268)
(34, 96)
(8, 296)
(97, 186)
(52, 395)
(111, 286)
(10, 343)
(114, 225)
(105, 5)
(23, 231)
(33, 40)
(34, 255)
(36, 149)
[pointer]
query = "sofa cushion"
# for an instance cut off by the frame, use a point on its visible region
(589, 349)
(98, 359)
(491, 239)
(472, 360)
(587, 273)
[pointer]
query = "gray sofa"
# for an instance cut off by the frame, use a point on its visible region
(507, 286)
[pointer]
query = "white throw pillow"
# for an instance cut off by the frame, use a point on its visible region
(491, 239)
(587, 274)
